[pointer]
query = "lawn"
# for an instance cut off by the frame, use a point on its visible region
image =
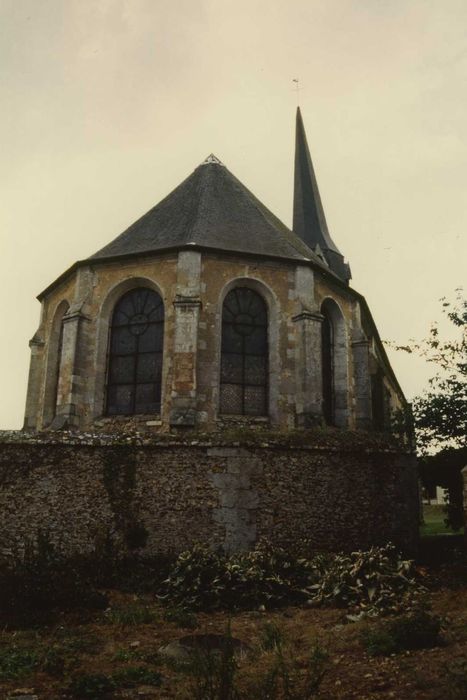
(434, 517)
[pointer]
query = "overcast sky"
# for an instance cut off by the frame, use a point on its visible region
(106, 105)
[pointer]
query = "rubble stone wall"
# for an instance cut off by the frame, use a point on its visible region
(79, 490)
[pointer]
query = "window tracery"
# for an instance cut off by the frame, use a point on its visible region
(244, 354)
(134, 375)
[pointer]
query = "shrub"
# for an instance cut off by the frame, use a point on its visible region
(42, 581)
(202, 579)
(415, 630)
(373, 582)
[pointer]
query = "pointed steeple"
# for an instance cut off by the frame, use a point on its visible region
(309, 221)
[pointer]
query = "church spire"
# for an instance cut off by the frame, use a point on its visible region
(309, 221)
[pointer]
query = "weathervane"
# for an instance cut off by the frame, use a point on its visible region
(297, 89)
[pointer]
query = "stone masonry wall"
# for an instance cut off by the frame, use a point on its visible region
(78, 490)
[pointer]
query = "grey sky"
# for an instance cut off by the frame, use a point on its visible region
(108, 104)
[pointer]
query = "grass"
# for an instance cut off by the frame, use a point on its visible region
(434, 517)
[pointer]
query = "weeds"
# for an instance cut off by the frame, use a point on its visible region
(89, 685)
(289, 680)
(98, 685)
(131, 615)
(271, 637)
(17, 662)
(136, 675)
(181, 617)
(416, 630)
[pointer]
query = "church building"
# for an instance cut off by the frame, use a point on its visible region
(209, 312)
(210, 376)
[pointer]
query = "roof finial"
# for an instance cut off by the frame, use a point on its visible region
(297, 89)
(212, 160)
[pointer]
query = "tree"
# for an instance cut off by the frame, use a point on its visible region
(440, 413)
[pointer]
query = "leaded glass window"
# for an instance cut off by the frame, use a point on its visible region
(327, 365)
(244, 355)
(134, 377)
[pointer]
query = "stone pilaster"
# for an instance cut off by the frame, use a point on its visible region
(71, 375)
(71, 394)
(34, 382)
(187, 306)
(362, 379)
(309, 381)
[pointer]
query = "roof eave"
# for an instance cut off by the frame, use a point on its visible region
(92, 262)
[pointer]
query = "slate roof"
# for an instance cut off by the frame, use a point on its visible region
(309, 221)
(210, 209)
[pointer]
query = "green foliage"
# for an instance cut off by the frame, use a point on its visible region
(271, 637)
(444, 469)
(91, 685)
(42, 581)
(288, 680)
(16, 662)
(132, 676)
(456, 676)
(214, 673)
(415, 630)
(136, 614)
(202, 579)
(99, 685)
(441, 412)
(373, 582)
(181, 617)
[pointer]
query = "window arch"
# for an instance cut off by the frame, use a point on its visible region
(327, 367)
(134, 368)
(244, 354)
(334, 360)
(54, 355)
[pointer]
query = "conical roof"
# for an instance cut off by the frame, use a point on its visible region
(309, 221)
(210, 209)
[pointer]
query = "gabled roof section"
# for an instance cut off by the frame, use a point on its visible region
(210, 209)
(309, 221)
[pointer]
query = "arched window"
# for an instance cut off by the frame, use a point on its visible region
(59, 362)
(134, 375)
(327, 366)
(54, 357)
(244, 355)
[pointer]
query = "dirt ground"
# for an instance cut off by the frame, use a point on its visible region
(107, 642)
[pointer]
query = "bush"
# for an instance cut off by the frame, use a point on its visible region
(42, 581)
(372, 582)
(202, 579)
(416, 630)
